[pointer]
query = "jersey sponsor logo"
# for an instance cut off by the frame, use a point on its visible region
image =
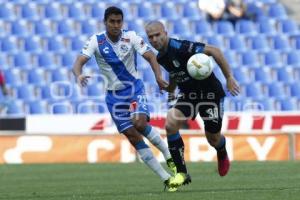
(101, 42)
(106, 50)
(124, 48)
(176, 63)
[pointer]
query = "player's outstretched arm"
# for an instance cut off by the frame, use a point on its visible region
(151, 58)
(77, 70)
(231, 83)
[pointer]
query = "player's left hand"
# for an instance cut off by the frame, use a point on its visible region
(163, 85)
(233, 86)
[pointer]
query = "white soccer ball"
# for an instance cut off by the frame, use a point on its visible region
(200, 66)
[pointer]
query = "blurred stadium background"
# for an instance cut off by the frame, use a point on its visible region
(39, 42)
(49, 119)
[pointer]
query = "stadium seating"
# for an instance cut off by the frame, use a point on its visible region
(39, 42)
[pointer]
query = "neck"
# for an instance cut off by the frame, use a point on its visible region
(165, 46)
(113, 38)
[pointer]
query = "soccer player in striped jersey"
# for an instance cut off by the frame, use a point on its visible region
(115, 52)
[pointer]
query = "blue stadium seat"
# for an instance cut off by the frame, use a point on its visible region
(127, 10)
(76, 11)
(267, 27)
(97, 10)
(264, 75)
(9, 44)
(46, 92)
(138, 26)
(245, 27)
(277, 11)
(180, 26)
(22, 59)
(77, 43)
(7, 11)
(76, 93)
(289, 104)
(295, 89)
(20, 28)
(267, 104)
(237, 43)
(61, 107)
(215, 40)
(296, 42)
(16, 108)
(56, 44)
(288, 27)
(281, 43)
(231, 58)
(243, 75)
(293, 58)
(95, 90)
(46, 60)
(38, 107)
(32, 44)
(89, 27)
(3, 61)
(168, 11)
(91, 107)
(203, 28)
(286, 75)
(255, 90)
(37, 76)
(272, 58)
(146, 11)
(65, 27)
(249, 58)
(68, 59)
(224, 28)
(43, 28)
(259, 43)
(26, 92)
(277, 90)
(13, 76)
(191, 10)
(29, 11)
(53, 11)
(60, 74)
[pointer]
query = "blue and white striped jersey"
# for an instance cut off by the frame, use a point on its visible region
(116, 61)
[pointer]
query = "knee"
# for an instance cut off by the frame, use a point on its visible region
(140, 125)
(171, 127)
(133, 136)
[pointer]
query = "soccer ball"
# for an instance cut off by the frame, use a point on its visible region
(200, 66)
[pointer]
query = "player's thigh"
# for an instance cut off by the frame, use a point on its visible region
(175, 120)
(211, 112)
(140, 121)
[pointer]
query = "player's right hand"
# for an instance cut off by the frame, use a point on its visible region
(82, 80)
(163, 85)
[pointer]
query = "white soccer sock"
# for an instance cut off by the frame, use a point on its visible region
(147, 156)
(154, 137)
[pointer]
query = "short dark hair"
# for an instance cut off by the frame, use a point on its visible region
(112, 10)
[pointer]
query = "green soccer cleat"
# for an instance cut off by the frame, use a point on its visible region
(171, 165)
(180, 179)
(168, 187)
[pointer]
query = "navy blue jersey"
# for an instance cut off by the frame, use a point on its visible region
(175, 59)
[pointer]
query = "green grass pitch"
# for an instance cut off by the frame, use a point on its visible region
(246, 180)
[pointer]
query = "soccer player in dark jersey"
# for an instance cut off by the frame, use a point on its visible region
(195, 96)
